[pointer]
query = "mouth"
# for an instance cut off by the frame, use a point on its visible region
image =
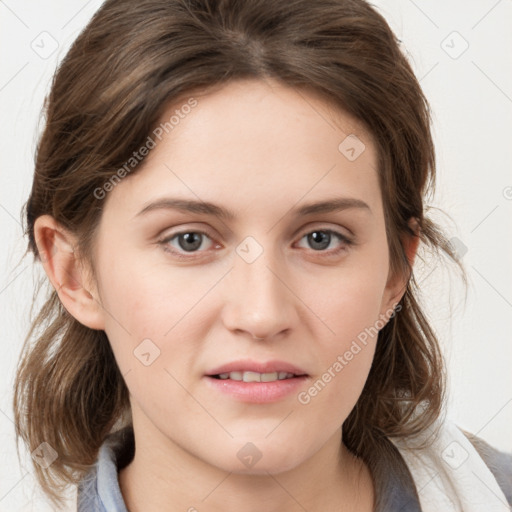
(257, 382)
(254, 371)
(248, 376)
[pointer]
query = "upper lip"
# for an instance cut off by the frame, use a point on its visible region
(246, 365)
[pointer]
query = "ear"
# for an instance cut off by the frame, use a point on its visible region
(57, 250)
(397, 284)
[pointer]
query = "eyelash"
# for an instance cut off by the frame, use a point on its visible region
(346, 243)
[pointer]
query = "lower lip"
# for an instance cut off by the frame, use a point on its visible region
(257, 392)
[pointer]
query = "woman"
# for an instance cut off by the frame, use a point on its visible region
(228, 202)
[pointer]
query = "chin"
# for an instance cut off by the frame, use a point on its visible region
(262, 457)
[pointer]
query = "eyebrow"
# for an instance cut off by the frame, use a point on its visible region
(207, 208)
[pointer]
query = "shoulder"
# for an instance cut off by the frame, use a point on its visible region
(454, 470)
(498, 462)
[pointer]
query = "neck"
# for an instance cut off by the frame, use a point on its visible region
(164, 477)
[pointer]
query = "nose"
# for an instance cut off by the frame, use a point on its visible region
(259, 301)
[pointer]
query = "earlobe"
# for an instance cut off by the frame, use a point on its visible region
(57, 251)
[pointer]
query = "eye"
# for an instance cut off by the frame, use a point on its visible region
(185, 242)
(321, 239)
(193, 241)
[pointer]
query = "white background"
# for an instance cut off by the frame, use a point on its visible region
(471, 97)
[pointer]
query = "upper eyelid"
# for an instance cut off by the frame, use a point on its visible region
(304, 230)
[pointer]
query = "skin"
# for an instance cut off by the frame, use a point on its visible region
(260, 149)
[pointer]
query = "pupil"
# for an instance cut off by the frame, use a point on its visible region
(319, 237)
(190, 238)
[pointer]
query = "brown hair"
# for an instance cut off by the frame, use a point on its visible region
(132, 59)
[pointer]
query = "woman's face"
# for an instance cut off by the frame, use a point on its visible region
(179, 310)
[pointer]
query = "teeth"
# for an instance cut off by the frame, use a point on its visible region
(256, 377)
(251, 377)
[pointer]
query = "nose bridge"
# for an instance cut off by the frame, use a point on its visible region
(259, 302)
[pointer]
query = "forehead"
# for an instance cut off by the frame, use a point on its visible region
(252, 140)
(262, 108)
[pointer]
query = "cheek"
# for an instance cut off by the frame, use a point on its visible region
(349, 307)
(154, 316)
(346, 359)
(347, 301)
(153, 333)
(148, 300)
